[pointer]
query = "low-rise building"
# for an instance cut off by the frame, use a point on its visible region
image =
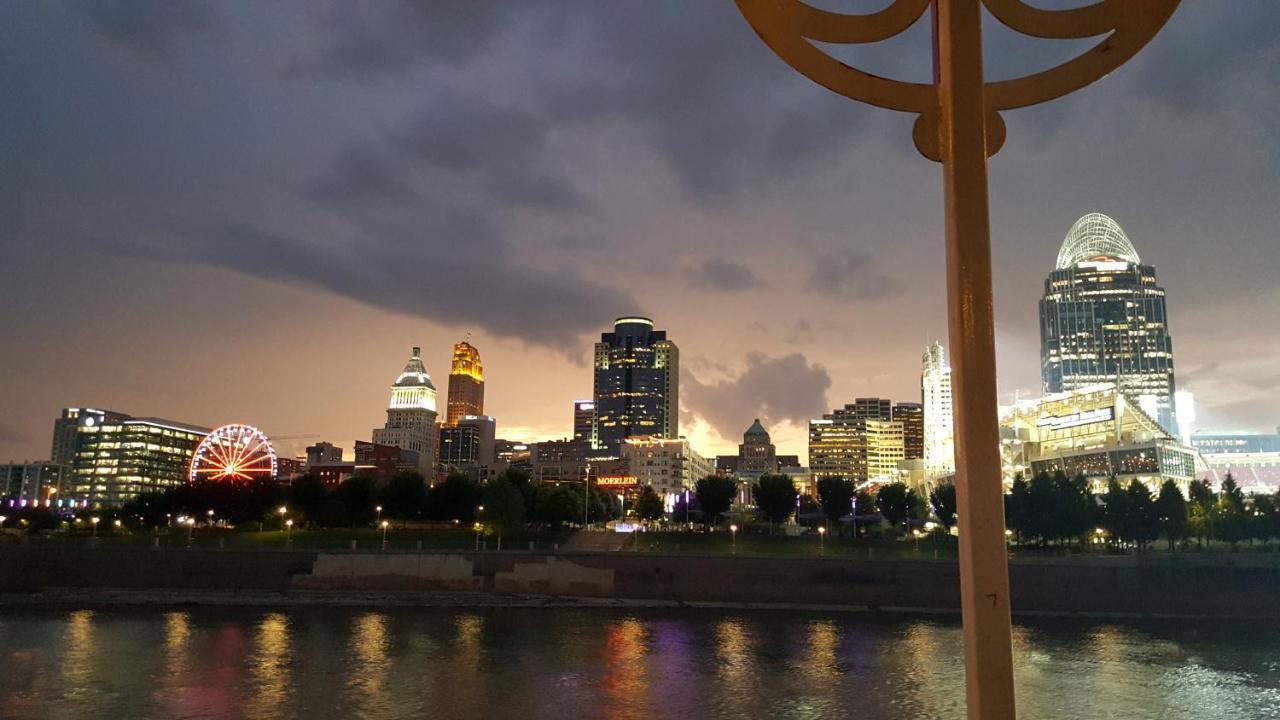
(32, 483)
(668, 466)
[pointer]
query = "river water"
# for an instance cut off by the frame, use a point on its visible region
(318, 663)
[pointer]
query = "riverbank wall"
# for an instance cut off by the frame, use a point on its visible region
(1137, 586)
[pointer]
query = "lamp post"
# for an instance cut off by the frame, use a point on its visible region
(477, 529)
(958, 124)
(288, 533)
(94, 522)
(733, 534)
(283, 511)
(377, 518)
(384, 525)
(822, 540)
(191, 524)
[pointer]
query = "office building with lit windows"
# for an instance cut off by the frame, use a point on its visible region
(1103, 320)
(32, 483)
(668, 466)
(637, 384)
(939, 428)
(411, 414)
(757, 455)
(911, 415)
(466, 384)
(584, 419)
(847, 445)
(117, 459)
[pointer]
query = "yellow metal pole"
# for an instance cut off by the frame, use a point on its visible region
(984, 571)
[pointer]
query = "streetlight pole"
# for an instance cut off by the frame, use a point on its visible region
(586, 495)
(822, 540)
(94, 522)
(959, 125)
(733, 535)
(378, 515)
(384, 525)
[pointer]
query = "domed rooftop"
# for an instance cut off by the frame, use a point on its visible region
(415, 372)
(1096, 237)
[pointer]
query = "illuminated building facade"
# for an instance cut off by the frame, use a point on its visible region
(66, 427)
(939, 430)
(757, 454)
(1103, 319)
(466, 384)
(668, 466)
(469, 445)
(871, 408)
(1097, 432)
(911, 415)
(411, 414)
(584, 420)
(637, 384)
(117, 459)
(844, 444)
(24, 484)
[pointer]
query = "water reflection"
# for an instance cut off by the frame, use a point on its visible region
(735, 667)
(269, 669)
(555, 664)
(367, 674)
(625, 678)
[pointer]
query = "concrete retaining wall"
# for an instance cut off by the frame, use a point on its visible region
(1158, 585)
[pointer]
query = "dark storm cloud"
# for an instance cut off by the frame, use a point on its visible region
(690, 78)
(149, 28)
(452, 266)
(721, 275)
(788, 388)
(395, 37)
(360, 175)
(853, 272)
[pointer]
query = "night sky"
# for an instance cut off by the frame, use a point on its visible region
(249, 211)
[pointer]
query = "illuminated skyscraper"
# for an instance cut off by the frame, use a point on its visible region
(911, 415)
(411, 414)
(466, 384)
(637, 384)
(1103, 319)
(939, 435)
(584, 418)
(848, 444)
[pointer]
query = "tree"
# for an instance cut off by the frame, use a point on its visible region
(897, 503)
(1074, 508)
(715, 496)
(1042, 496)
(649, 506)
(150, 508)
(555, 505)
(503, 509)
(1262, 521)
(1227, 516)
(943, 501)
(357, 495)
(1199, 510)
(1143, 519)
(836, 497)
(1017, 506)
(1116, 517)
(454, 499)
(405, 496)
(775, 498)
(1171, 509)
(308, 496)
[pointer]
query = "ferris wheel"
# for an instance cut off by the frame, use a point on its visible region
(233, 453)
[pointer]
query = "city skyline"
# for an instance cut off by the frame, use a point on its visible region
(140, 261)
